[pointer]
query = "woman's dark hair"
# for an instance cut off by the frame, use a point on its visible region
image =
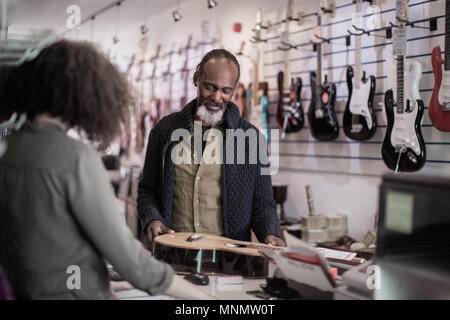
(72, 81)
(215, 54)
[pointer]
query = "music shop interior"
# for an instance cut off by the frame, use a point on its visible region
(225, 150)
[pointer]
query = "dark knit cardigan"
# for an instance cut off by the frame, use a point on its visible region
(247, 198)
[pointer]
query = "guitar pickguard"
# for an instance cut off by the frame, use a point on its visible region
(359, 103)
(444, 90)
(404, 132)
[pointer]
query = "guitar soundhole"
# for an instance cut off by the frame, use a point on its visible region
(235, 245)
(325, 97)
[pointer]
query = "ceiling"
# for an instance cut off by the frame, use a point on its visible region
(25, 15)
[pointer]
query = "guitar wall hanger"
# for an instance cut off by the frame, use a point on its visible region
(286, 46)
(413, 24)
(368, 32)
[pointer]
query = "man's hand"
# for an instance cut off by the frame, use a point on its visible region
(155, 228)
(275, 241)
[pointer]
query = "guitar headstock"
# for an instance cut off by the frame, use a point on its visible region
(258, 24)
(241, 49)
(289, 11)
(205, 34)
(217, 40)
(402, 12)
(131, 63)
(154, 59)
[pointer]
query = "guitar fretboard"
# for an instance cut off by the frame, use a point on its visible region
(400, 83)
(358, 68)
(447, 37)
(319, 67)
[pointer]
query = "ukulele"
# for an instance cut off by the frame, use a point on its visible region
(290, 113)
(188, 252)
(439, 109)
(403, 147)
(185, 73)
(322, 118)
(359, 120)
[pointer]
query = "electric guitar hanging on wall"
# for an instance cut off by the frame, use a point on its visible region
(439, 109)
(359, 120)
(290, 115)
(403, 146)
(322, 118)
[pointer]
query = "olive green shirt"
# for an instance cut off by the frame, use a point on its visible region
(57, 213)
(197, 205)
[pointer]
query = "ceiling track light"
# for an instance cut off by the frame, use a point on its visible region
(176, 14)
(211, 4)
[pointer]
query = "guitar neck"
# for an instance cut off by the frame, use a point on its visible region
(447, 37)
(319, 68)
(358, 68)
(400, 83)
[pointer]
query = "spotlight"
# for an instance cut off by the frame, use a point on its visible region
(211, 3)
(176, 15)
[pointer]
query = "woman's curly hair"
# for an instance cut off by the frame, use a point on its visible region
(72, 81)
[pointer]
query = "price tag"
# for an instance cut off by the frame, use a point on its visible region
(399, 42)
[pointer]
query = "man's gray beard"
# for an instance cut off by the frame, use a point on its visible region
(210, 118)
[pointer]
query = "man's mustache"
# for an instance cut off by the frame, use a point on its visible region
(213, 103)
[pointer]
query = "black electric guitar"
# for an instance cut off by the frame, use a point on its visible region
(322, 118)
(403, 146)
(290, 109)
(360, 121)
(290, 115)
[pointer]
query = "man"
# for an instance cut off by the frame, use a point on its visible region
(224, 199)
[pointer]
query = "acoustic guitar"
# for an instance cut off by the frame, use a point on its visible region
(188, 252)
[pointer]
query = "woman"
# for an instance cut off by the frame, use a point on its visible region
(58, 217)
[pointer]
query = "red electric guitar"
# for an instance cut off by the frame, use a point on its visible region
(439, 109)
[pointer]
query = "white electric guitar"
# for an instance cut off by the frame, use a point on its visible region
(359, 120)
(403, 147)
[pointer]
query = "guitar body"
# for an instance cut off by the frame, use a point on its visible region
(441, 93)
(323, 122)
(414, 156)
(359, 120)
(296, 115)
(216, 255)
(290, 114)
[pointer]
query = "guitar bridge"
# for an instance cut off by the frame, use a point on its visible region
(400, 149)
